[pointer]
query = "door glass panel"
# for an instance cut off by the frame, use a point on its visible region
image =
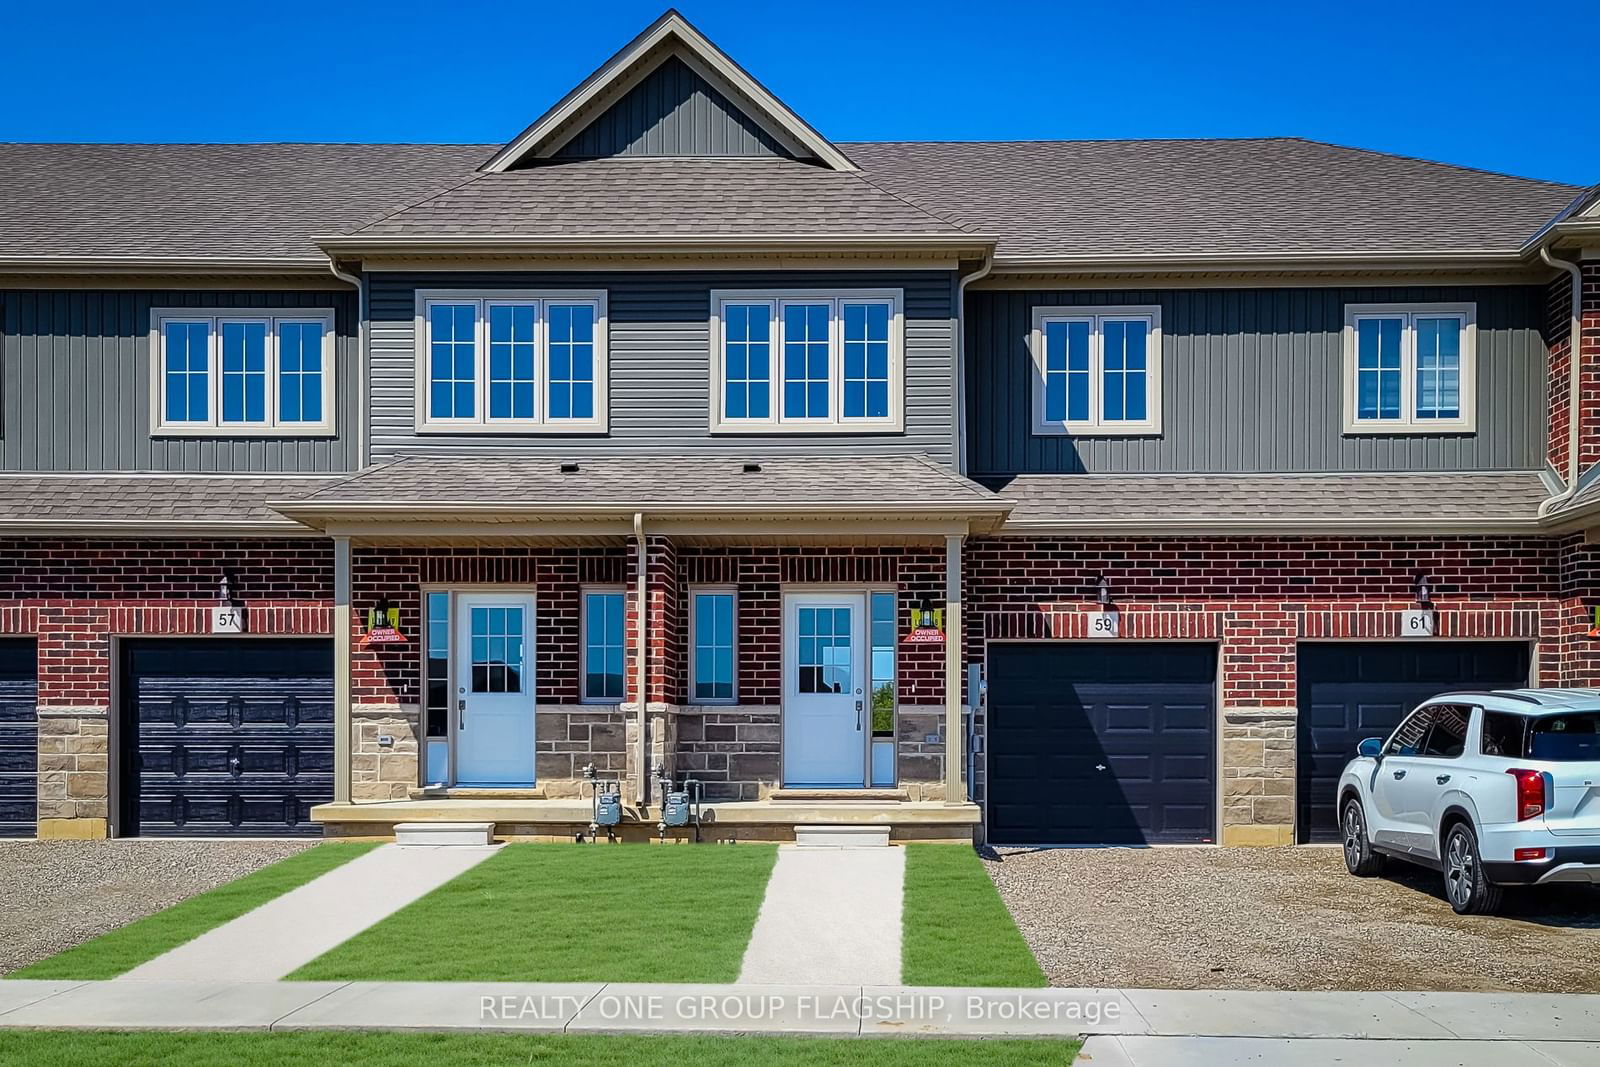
(883, 644)
(825, 656)
(1409, 737)
(1448, 738)
(497, 650)
(438, 694)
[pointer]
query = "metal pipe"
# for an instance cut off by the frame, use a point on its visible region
(1574, 381)
(960, 358)
(359, 281)
(640, 647)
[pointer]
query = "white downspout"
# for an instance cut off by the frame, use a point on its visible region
(640, 646)
(1574, 407)
(960, 350)
(361, 358)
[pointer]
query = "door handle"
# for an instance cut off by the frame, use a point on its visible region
(461, 715)
(1442, 779)
(1399, 775)
(858, 715)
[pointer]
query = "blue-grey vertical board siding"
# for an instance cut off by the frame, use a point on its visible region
(75, 394)
(672, 112)
(1251, 381)
(660, 365)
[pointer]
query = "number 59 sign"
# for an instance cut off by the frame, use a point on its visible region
(1105, 624)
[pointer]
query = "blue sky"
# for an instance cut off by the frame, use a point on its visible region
(1493, 85)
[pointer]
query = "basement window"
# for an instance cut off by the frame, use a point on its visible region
(246, 373)
(1409, 368)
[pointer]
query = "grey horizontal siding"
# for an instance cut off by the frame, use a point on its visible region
(75, 394)
(1252, 382)
(672, 112)
(660, 365)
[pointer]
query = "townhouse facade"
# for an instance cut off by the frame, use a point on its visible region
(1045, 492)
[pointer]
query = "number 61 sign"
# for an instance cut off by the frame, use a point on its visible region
(1418, 623)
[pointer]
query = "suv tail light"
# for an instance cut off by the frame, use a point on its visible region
(1530, 793)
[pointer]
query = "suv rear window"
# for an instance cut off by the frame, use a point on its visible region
(1565, 738)
(1570, 738)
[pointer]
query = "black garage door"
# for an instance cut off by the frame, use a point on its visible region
(226, 736)
(1101, 743)
(1352, 691)
(19, 738)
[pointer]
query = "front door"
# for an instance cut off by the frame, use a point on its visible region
(825, 718)
(494, 703)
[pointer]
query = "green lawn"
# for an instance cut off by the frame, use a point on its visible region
(59, 1048)
(124, 948)
(956, 931)
(571, 913)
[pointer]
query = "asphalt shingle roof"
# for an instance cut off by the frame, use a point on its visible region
(690, 197)
(684, 483)
(1084, 499)
(262, 201)
(267, 201)
(68, 500)
(1210, 196)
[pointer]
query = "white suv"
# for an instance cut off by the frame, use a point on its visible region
(1492, 789)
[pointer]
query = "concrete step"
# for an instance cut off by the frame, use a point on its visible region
(841, 836)
(444, 833)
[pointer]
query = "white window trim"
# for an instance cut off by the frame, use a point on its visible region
(1408, 424)
(836, 422)
(584, 592)
(1096, 425)
(213, 426)
(481, 423)
(694, 644)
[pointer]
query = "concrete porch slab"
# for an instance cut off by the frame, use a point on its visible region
(509, 1006)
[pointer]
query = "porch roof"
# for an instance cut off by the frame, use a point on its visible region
(698, 492)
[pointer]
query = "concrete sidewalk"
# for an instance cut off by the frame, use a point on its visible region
(830, 915)
(287, 932)
(1146, 1028)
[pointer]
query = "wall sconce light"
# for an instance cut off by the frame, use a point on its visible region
(1103, 591)
(226, 588)
(925, 619)
(1424, 590)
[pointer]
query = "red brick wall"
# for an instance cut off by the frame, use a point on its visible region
(760, 573)
(1258, 595)
(386, 674)
(1559, 311)
(75, 595)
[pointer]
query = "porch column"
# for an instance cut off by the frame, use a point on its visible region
(955, 791)
(341, 670)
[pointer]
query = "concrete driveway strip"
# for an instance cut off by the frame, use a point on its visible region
(1259, 1013)
(117, 1005)
(292, 930)
(830, 916)
(722, 1009)
(20, 992)
(1143, 1051)
(1520, 1016)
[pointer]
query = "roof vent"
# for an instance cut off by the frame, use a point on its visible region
(569, 468)
(752, 468)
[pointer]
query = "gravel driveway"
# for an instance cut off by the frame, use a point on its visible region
(58, 893)
(1284, 918)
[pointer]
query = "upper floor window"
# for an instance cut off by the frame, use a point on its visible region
(799, 361)
(1409, 368)
(1096, 370)
(511, 361)
(252, 372)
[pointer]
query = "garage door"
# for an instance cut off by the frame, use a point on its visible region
(1101, 743)
(19, 738)
(226, 737)
(1351, 691)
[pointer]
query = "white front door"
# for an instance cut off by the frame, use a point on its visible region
(494, 689)
(825, 717)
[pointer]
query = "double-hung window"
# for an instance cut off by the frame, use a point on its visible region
(603, 622)
(511, 361)
(255, 372)
(1409, 368)
(1096, 370)
(807, 360)
(713, 637)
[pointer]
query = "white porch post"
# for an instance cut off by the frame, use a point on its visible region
(955, 791)
(341, 670)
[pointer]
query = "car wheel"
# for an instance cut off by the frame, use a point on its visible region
(1465, 885)
(1359, 859)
